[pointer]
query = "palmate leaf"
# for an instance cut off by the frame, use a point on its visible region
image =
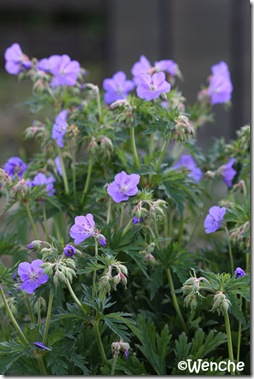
(182, 347)
(203, 344)
(154, 346)
(118, 323)
(178, 187)
(10, 352)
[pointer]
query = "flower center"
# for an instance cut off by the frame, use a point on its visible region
(33, 275)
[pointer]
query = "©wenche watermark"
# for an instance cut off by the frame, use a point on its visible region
(196, 366)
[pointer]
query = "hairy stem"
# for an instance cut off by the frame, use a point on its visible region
(114, 364)
(12, 318)
(230, 346)
(99, 342)
(174, 299)
(50, 302)
(66, 185)
(29, 308)
(75, 297)
(230, 253)
(31, 220)
(89, 172)
(133, 146)
(162, 154)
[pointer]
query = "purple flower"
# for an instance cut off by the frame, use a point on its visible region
(83, 228)
(40, 180)
(228, 172)
(239, 272)
(117, 87)
(188, 162)
(137, 220)
(214, 219)
(123, 186)
(16, 60)
(65, 70)
(143, 66)
(150, 87)
(31, 275)
(41, 346)
(69, 250)
(168, 66)
(15, 166)
(47, 64)
(220, 87)
(59, 128)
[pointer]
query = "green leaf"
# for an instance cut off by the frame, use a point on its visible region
(155, 346)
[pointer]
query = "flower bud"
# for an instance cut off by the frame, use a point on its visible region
(191, 301)
(69, 250)
(101, 239)
(34, 245)
(21, 187)
(93, 146)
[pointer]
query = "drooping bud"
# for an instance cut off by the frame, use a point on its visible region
(35, 245)
(69, 250)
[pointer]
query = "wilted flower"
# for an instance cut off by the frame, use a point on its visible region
(152, 86)
(40, 180)
(239, 272)
(31, 275)
(15, 166)
(41, 346)
(188, 162)
(123, 186)
(137, 220)
(214, 219)
(59, 128)
(16, 60)
(220, 87)
(117, 87)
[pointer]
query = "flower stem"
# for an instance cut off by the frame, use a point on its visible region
(98, 103)
(230, 253)
(239, 334)
(127, 227)
(162, 154)
(89, 172)
(109, 212)
(133, 145)
(94, 273)
(99, 342)
(41, 365)
(31, 220)
(66, 185)
(29, 308)
(50, 302)
(230, 346)
(75, 297)
(13, 320)
(174, 299)
(114, 364)
(45, 221)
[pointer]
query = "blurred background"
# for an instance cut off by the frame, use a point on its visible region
(107, 36)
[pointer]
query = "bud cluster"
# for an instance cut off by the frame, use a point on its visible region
(120, 346)
(148, 256)
(127, 115)
(183, 129)
(115, 274)
(150, 210)
(241, 236)
(191, 290)
(220, 303)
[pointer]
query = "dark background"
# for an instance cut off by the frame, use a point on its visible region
(110, 35)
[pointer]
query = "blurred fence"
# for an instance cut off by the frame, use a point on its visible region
(106, 36)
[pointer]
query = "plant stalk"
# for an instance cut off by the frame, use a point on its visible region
(99, 342)
(174, 299)
(133, 145)
(89, 172)
(230, 346)
(66, 185)
(50, 302)
(162, 154)
(31, 221)
(13, 320)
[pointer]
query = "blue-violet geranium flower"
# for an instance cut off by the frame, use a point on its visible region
(152, 86)
(31, 275)
(214, 219)
(15, 166)
(123, 186)
(117, 88)
(220, 87)
(59, 128)
(40, 179)
(16, 60)
(188, 161)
